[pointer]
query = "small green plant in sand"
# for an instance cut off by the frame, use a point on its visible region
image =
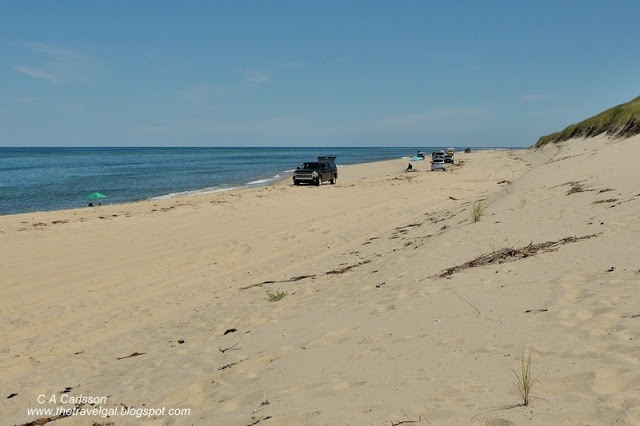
(524, 380)
(275, 296)
(477, 211)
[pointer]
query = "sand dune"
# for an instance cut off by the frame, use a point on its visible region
(164, 303)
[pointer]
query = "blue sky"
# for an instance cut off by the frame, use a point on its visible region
(310, 73)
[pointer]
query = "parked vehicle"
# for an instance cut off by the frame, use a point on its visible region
(316, 172)
(438, 164)
(448, 158)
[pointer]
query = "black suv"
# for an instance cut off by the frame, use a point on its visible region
(323, 170)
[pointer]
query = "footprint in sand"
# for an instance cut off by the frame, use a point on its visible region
(337, 337)
(615, 380)
(366, 354)
(375, 338)
(497, 421)
(348, 385)
(571, 381)
(382, 309)
(420, 336)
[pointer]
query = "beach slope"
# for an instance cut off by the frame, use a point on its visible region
(396, 305)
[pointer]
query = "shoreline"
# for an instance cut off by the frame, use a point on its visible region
(184, 196)
(220, 187)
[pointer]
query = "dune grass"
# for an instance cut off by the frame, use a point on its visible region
(621, 120)
(276, 296)
(524, 380)
(477, 211)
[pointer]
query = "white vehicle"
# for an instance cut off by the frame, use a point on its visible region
(438, 164)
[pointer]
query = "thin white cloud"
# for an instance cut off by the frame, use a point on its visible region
(27, 100)
(34, 73)
(258, 76)
(433, 116)
(53, 51)
(289, 65)
(149, 130)
(195, 94)
(58, 65)
(149, 55)
(276, 126)
(554, 111)
(534, 98)
(255, 76)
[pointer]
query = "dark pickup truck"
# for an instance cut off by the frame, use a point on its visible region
(323, 170)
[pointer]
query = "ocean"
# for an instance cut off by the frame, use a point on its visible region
(45, 179)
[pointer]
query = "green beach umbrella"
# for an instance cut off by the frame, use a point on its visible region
(95, 196)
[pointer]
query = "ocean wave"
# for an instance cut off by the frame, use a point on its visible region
(194, 192)
(212, 190)
(263, 181)
(258, 182)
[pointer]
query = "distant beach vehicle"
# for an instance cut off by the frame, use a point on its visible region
(316, 172)
(438, 164)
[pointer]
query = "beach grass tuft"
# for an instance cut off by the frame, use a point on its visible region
(524, 380)
(477, 211)
(276, 296)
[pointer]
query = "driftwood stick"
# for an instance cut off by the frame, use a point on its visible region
(132, 355)
(231, 364)
(401, 422)
(257, 285)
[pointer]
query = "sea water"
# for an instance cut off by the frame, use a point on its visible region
(44, 179)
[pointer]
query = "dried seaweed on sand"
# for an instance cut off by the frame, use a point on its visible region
(509, 254)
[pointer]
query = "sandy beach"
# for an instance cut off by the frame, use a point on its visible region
(398, 307)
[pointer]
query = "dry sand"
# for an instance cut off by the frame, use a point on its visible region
(164, 303)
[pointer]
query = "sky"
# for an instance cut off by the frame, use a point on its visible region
(310, 73)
